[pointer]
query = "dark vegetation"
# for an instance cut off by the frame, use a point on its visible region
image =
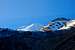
(19, 40)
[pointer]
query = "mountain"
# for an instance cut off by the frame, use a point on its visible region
(30, 40)
(56, 24)
(31, 27)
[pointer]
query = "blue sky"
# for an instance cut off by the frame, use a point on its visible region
(15, 13)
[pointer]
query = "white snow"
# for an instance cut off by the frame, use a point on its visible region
(37, 27)
(26, 28)
(69, 24)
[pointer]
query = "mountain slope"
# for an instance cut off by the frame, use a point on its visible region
(26, 40)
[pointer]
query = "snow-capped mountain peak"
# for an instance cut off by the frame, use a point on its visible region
(25, 28)
(57, 24)
(69, 24)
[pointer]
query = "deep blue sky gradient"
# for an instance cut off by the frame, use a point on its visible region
(15, 13)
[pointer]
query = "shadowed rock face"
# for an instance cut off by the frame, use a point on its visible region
(19, 40)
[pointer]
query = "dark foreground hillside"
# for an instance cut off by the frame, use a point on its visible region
(19, 40)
